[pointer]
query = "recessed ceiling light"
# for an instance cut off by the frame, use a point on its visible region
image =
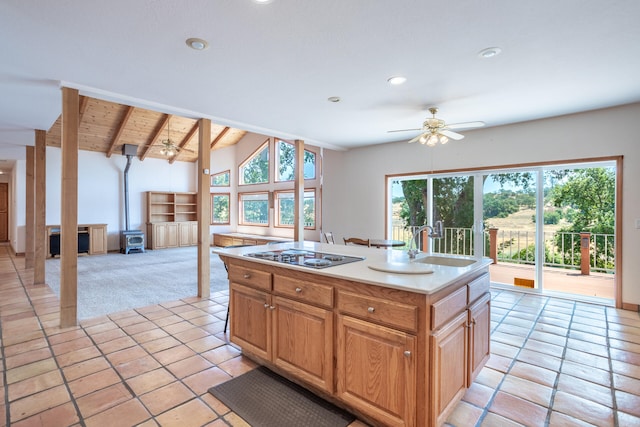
(333, 99)
(197, 44)
(396, 80)
(262, 1)
(489, 52)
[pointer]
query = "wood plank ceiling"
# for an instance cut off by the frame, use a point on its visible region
(106, 126)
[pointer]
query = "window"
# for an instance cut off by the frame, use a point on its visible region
(254, 208)
(285, 206)
(220, 208)
(220, 179)
(285, 162)
(255, 170)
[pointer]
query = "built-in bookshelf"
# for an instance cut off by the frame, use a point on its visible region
(171, 219)
(171, 207)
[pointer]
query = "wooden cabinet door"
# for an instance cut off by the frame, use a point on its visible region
(479, 336)
(449, 347)
(250, 316)
(98, 236)
(376, 370)
(303, 341)
(171, 235)
(158, 237)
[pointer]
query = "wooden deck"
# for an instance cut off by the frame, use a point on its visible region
(597, 285)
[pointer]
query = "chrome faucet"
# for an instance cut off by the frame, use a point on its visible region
(435, 232)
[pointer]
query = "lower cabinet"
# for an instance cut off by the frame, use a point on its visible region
(376, 370)
(479, 336)
(162, 235)
(449, 347)
(294, 336)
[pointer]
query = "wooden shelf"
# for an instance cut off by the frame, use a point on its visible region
(171, 219)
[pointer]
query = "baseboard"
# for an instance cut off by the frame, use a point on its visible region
(631, 307)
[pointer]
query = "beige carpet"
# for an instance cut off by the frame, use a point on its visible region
(117, 282)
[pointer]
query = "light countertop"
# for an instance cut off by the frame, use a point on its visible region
(360, 271)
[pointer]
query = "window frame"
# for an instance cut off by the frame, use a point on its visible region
(276, 162)
(213, 210)
(213, 177)
(276, 206)
(252, 156)
(241, 219)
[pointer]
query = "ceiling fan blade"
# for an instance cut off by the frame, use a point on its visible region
(416, 138)
(467, 125)
(403, 130)
(451, 135)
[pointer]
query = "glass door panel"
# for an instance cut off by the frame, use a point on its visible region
(579, 227)
(453, 204)
(509, 219)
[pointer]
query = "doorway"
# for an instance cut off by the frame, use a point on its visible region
(4, 212)
(549, 228)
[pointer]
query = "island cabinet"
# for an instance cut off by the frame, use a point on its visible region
(393, 357)
(285, 321)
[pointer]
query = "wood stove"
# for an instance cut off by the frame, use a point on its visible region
(130, 240)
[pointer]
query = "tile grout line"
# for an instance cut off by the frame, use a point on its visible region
(614, 403)
(554, 390)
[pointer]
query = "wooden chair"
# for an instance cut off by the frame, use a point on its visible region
(356, 241)
(328, 237)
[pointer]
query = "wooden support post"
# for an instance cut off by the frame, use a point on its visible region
(204, 208)
(493, 244)
(29, 233)
(585, 254)
(40, 254)
(69, 210)
(298, 215)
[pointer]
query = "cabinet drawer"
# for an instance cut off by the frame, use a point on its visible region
(448, 307)
(312, 293)
(391, 313)
(478, 287)
(250, 277)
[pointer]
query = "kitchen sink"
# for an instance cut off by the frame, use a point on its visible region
(446, 261)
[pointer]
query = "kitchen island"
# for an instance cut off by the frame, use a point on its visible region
(396, 341)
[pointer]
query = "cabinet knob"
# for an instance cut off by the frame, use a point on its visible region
(473, 321)
(271, 307)
(298, 290)
(266, 305)
(246, 275)
(407, 353)
(371, 309)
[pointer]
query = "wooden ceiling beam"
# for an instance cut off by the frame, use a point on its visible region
(220, 136)
(84, 102)
(120, 130)
(185, 141)
(156, 135)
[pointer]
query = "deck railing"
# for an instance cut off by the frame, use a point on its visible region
(562, 249)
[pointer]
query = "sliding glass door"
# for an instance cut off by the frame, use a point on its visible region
(547, 228)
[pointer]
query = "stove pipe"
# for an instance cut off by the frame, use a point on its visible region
(128, 150)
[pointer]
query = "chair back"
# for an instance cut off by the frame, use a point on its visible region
(356, 241)
(328, 237)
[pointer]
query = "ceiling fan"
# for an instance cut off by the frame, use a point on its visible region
(170, 148)
(436, 131)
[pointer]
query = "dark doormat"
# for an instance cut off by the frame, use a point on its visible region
(265, 399)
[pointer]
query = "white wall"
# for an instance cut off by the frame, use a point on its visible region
(101, 188)
(17, 206)
(354, 181)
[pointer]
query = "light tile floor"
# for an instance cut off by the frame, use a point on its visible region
(554, 363)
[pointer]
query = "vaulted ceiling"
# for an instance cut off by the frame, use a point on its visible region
(106, 126)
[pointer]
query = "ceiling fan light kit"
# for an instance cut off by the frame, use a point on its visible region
(436, 131)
